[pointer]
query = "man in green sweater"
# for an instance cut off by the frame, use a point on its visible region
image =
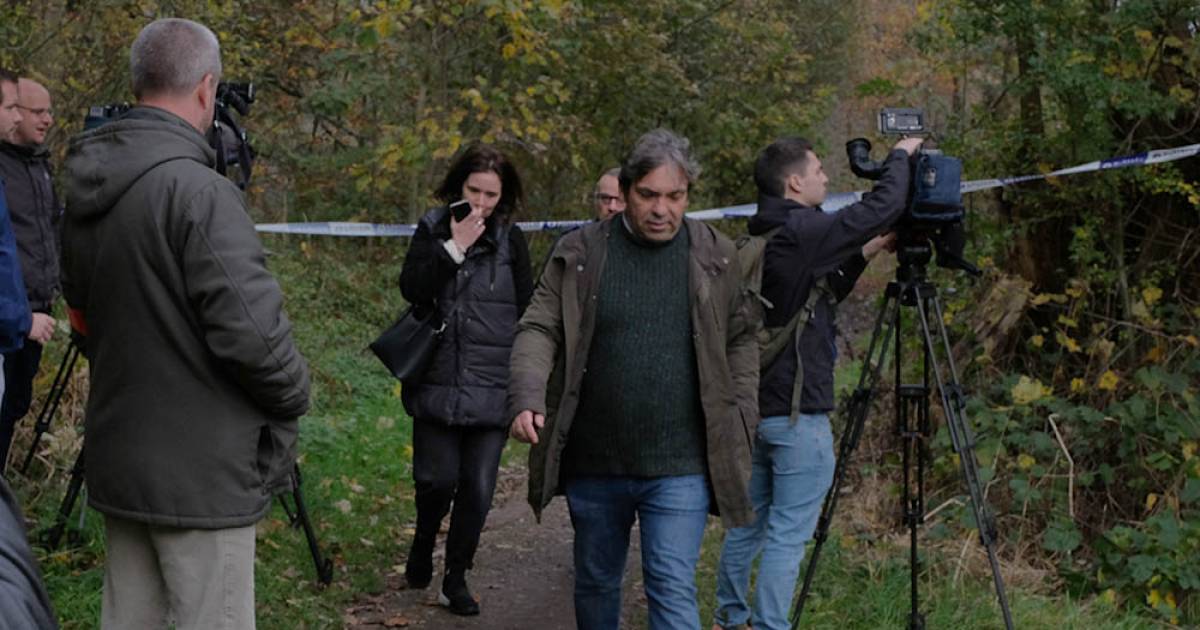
(649, 305)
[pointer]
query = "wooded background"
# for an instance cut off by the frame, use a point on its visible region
(1079, 345)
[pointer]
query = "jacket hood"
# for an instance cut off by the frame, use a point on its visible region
(105, 162)
(773, 212)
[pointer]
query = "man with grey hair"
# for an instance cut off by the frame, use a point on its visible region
(649, 305)
(607, 199)
(196, 384)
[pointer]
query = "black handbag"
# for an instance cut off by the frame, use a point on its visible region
(407, 346)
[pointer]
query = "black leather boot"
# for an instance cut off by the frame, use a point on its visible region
(456, 596)
(418, 570)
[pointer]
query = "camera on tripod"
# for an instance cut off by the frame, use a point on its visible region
(933, 211)
(226, 136)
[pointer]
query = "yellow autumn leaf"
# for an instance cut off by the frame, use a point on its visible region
(1151, 501)
(1140, 310)
(1067, 321)
(1108, 381)
(1076, 289)
(1170, 600)
(1153, 598)
(1154, 355)
(1025, 461)
(408, 452)
(1077, 385)
(1192, 341)
(1037, 341)
(1189, 450)
(1151, 295)
(1110, 597)
(396, 390)
(1067, 342)
(1027, 390)
(1040, 299)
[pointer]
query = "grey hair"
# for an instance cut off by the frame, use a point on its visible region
(172, 55)
(612, 172)
(654, 149)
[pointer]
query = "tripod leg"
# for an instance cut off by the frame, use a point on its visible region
(61, 378)
(857, 409)
(324, 565)
(961, 437)
(54, 535)
(912, 409)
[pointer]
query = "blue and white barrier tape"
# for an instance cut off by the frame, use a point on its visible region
(832, 203)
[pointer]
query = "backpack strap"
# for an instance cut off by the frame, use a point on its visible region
(752, 262)
(820, 289)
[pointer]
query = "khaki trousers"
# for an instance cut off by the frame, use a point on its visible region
(193, 578)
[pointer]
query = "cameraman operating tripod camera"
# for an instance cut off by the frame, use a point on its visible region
(808, 250)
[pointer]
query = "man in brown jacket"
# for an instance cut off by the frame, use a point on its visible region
(650, 306)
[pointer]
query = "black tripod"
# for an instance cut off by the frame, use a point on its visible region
(61, 378)
(297, 512)
(913, 427)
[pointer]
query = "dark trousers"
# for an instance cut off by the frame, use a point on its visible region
(454, 465)
(20, 368)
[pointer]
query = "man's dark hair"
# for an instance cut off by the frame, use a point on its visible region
(654, 149)
(483, 158)
(784, 157)
(7, 76)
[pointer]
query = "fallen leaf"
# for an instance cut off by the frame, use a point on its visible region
(399, 621)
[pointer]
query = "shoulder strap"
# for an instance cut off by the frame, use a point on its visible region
(820, 289)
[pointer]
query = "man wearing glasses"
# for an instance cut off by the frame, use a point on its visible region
(607, 199)
(35, 211)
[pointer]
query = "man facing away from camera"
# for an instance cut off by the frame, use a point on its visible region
(808, 251)
(35, 212)
(633, 374)
(196, 384)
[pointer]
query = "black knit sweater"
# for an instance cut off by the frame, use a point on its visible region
(639, 409)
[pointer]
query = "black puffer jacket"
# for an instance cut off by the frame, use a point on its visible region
(35, 213)
(813, 244)
(481, 301)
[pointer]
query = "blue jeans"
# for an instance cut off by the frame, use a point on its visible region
(672, 512)
(792, 471)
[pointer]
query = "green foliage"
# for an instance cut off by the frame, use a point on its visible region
(361, 104)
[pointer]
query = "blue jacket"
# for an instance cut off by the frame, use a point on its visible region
(15, 318)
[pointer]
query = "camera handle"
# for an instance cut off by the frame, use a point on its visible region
(913, 427)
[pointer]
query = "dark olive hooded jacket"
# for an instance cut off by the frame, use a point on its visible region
(196, 383)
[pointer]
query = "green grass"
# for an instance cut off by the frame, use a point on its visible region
(355, 456)
(860, 588)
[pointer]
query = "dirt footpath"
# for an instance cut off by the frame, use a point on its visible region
(523, 575)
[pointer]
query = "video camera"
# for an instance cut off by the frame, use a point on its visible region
(933, 210)
(226, 136)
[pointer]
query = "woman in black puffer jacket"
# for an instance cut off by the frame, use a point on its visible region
(476, 273)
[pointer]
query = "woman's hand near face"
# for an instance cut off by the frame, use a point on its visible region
(467, 231)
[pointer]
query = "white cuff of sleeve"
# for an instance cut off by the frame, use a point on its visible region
(452, 249)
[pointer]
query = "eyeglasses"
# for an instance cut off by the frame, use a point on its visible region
(38, 111)
(605, 200)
